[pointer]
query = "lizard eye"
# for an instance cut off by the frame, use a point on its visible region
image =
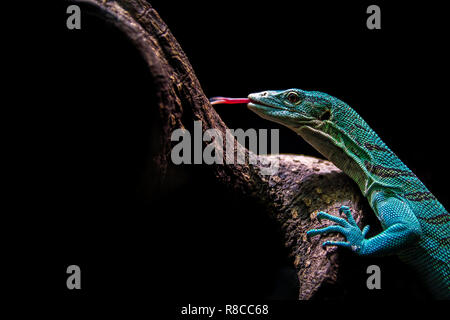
(293, 97)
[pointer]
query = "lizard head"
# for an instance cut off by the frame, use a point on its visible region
(293, 108)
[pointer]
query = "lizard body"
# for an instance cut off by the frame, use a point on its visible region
(416, 226)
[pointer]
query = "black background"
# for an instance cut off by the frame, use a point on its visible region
(84, 141)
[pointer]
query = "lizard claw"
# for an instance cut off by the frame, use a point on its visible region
(348, 228)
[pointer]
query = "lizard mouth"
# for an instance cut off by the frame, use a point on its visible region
(260, 106)
(256, 103)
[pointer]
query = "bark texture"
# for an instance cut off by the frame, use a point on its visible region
(302, 185)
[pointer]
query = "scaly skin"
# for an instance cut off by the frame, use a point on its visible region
(416, 226)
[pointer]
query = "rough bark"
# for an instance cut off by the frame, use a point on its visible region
(302, 186)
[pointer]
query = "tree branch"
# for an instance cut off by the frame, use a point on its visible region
(302, 186)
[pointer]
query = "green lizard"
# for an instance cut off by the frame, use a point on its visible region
(416, 226)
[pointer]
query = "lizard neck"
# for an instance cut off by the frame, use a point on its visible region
(341, 150)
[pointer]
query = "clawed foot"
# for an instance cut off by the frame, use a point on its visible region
(355, 237)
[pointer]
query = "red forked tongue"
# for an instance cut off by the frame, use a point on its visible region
(223, 100)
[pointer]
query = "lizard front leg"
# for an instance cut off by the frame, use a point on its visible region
(400, 225)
